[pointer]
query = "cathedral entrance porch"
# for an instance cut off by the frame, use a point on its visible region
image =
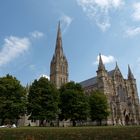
(127, 120)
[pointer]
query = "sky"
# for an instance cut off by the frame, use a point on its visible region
(28, 35)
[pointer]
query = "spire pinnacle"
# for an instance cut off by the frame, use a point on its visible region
(101, 65)
(130, 74)
(116, 65)
(59, 28)
(58, 48)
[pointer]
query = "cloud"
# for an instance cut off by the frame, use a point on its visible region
(132, 32)
(44, 75)
(98, 10)
(12, 48)
(65, 22)
(106, 59)
(136, 11)
(37, 34)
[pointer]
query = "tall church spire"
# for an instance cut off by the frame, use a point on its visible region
(59, 64)
(101, 65)
(59, 48)
(130, 74)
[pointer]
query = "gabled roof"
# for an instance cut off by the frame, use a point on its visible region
(111, 73)
(89, 82)
(92, 81)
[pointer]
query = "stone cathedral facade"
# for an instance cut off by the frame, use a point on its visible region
(122, 95)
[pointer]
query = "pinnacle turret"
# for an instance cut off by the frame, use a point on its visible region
(130, 74)
(116, 67)
(101, 65)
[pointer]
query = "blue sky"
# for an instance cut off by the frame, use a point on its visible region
(89, 27)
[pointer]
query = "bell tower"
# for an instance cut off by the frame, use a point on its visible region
(59, 64)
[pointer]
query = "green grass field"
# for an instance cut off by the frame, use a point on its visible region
(71, 133)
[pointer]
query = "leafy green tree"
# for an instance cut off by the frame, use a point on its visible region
(73, 102)
(43, 100)
(98, 106)
(12, 99)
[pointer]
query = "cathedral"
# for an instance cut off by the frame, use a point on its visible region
(122, 95)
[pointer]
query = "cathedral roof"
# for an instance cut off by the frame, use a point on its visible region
(89, 82)
(92, 81)
(111, 73)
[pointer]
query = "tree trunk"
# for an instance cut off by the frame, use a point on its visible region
(100, 122)
(74, 123)
(2, 121)
(16, 122)
(41, 123)
(58, 123)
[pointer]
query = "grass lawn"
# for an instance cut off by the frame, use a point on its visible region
(71, 133)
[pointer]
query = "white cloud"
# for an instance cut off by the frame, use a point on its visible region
(98, 10)
(136, 11)
(65, 22)
(45, 76)
(132, 32)
(106, 59)
(104, 25)
(12, 48)
(37, 34)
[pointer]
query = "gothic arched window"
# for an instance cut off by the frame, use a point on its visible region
(121, 93)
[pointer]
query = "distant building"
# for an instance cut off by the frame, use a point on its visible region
(121, 94)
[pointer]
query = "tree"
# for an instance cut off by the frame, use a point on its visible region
(98, 106)
(43, 100)
(12, 99)
(73, 102)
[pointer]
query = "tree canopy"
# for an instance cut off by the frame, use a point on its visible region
(12, 99)
(43, 100)
(73, 102)
(98, 106)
